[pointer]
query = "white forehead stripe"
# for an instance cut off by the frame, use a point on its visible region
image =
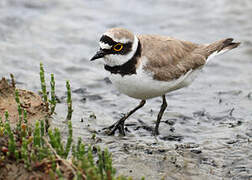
(104, 45)
(123, 41)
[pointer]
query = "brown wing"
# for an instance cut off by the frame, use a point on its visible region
(169, 58)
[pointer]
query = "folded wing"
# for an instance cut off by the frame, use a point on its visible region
(169, 58)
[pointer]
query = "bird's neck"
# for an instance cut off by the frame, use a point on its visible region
(127, 68)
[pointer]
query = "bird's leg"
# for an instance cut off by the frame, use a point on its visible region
(120, 124)
(160, 114)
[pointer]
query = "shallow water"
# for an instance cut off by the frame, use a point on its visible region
(207, 128)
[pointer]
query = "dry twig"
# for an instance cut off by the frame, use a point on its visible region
(65, 162)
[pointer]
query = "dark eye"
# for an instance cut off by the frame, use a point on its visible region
(118, 47)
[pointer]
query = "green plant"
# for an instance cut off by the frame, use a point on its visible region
(69, 101)
(53, 96)
(47, 152)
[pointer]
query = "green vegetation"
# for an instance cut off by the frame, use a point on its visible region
(53, 96)
(69, 101)
(40, 148)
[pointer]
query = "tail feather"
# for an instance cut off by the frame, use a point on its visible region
(220, 47)
(228, 44)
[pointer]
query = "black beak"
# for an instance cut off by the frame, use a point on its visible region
(99, 54)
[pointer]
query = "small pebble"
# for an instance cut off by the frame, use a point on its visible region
(196, 151)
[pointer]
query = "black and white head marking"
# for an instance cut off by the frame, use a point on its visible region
(113, 57)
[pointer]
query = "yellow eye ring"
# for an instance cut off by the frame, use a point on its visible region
(118, 47)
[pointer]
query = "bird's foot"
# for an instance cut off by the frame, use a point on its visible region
(155, 132)
(119, 125)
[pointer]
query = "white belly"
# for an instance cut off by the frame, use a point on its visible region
(143, 86)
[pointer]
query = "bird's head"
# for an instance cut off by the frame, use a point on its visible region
(117, 46)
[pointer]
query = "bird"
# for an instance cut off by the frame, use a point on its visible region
(146, 66)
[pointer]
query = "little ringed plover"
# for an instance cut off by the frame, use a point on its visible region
(147, 66)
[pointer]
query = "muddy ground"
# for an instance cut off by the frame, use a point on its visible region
(29, 101)
(36, 110)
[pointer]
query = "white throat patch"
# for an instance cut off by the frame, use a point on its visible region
(118, 59)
